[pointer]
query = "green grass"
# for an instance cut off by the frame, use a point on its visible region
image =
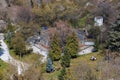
(28, 58)
(86, 58)
(2, 68)
(2, 65)
(51, 76)
(32, 58)
(74, 63)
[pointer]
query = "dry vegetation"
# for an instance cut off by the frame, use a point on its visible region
(32, 17)
(101, 69)
(82, 68)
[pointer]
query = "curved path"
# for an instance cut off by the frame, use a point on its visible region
(5, 56)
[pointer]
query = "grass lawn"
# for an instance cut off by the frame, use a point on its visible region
(29, 58)
(32, 58)
(2, 69)
(2, 65)
(86, 58)
(75, 62)
(51, 76)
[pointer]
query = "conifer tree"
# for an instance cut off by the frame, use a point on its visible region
(114, 37)
(65, 74)
(62, 74)
(49, 67)
(72, 45)
(55, 50)
(65, 60)
(96, 46)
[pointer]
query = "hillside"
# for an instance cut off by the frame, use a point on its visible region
(59, 39)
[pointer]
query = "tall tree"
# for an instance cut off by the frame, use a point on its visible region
(114, 36)
(65, 74)
(49, 67)
(18, 44)
(62, 74)
(94, 32)
(72, 45)
(55, 50)
(65, 60)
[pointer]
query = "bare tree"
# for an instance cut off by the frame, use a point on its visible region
(24, 14)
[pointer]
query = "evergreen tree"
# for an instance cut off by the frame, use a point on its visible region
(49, 67)
(62, 74)
(65, 60)
(65, 74)
(96, 46)
(114, 37)
(94, 32)
(72, 45)
(55, 50)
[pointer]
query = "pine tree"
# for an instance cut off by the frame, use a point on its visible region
(49, 67)
(55, 50)
(65, 74)
(65, 60)
(72, 45)
(96, 46)
(62, 74)
(114, 37)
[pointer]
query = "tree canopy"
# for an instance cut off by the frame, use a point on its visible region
(18, 44)
(72, 45)
(114, 36)
(55, 50)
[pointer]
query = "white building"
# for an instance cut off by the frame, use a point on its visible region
(98, 21)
